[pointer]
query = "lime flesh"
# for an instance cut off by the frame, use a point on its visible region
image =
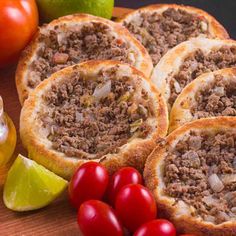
(30, 186)
(52, 9)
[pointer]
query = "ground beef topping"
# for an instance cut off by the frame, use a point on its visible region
(161, 32)
(96, 116)
(201, 171)
(198, 63)
(216, 99)
(61, 49)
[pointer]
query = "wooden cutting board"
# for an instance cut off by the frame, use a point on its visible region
(59, 218)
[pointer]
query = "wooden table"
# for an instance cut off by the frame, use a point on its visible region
(59, 218)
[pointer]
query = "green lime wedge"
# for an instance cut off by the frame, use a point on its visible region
(30, 186)
(51, 9)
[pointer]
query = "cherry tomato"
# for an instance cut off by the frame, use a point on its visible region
(88, 182)
(156, 228)
(97, 218)
(124, 176)
(135, 206)
(18, 23)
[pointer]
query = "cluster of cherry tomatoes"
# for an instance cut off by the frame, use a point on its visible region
(130, 207)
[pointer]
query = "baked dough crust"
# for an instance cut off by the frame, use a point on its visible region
(143, 61)
(171, 62)
(153, 176)
(215, 28)
(133, 153)
(180, 112)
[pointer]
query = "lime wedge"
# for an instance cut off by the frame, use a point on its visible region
(51, 9)
(30, 186)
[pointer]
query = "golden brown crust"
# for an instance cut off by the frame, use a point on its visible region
(134, 153)
(143, 60)
(180, 112)
(171, 62)
(216, 29)
(153, 176)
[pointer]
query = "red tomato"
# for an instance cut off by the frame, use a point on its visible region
(97, 218)
(18, 23)
(122, 177)
(135, 206)
(156, 227)
(88, 182)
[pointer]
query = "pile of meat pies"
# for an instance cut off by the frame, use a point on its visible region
(96, 90)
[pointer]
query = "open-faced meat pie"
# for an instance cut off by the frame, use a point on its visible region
(100, 111)
(185, 62)
(73, 39)
(161, 27)
(193, 177)
(211, 94)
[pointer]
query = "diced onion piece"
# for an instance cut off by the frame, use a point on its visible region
(233, 209)
(215, 183)
(102, 90)
(177, 87)
(204, 26)
(209, 218)
(79, 117)
(135, 125)
(209, 200)
(220, 91)
(229, 196)
(183, 209)
(228, 179)
(131, 56)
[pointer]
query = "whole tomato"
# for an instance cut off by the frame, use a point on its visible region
(135, 206)
(124, 176)
(88, 182)
(156, 227)
(18, 23)
(97, 218)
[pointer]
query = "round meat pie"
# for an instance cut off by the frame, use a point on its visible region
(161, 27)
(100, 111)
(185, 62)
(73, 39)
(193, 177)
(211, 94)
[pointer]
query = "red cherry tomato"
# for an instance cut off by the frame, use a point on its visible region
(18, 23)
(156, 228)
(88, 182)
(97, 218)
(124, 176)
(135, 206)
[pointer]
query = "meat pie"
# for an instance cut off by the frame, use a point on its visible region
(73, 39)
(212, 94)
(193, 177)
(100, 111)
(185, 62)
(161, 27)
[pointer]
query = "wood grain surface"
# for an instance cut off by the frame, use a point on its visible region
(59, 218)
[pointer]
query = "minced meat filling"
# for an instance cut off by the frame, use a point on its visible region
(201, 171)
(95, 116)
(216, 99)
(160, 32)
(61, 49)
(198, 63)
